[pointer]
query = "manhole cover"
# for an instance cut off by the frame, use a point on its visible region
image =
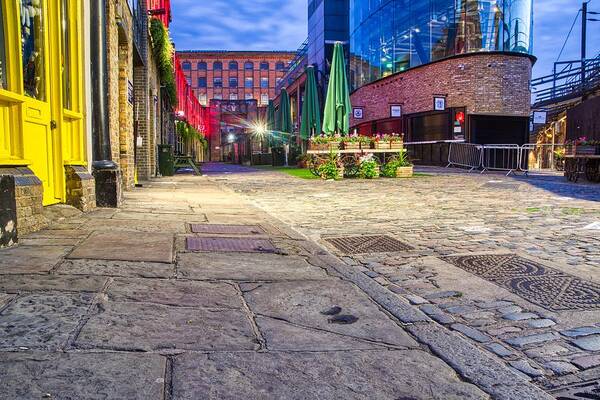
(230, 244)
(367, 244)
(227, 229)
(544, 286)
(578, 391)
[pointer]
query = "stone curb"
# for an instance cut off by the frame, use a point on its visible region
(473, 364)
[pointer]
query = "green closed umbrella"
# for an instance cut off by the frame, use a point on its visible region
(285, 116)
(311, 112)
(271, 123)
(336, 118)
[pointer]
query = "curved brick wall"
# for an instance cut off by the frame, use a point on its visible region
(484, 83)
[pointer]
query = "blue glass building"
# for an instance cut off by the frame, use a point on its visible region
(390, 36)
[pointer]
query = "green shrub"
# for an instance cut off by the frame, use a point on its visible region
(400, 160)
(330, 169)
(163, 51)
(369, 169)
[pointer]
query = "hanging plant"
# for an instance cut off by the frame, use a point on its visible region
(162, 49)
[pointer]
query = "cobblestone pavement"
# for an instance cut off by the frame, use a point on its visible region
(113, 305)
(511, 264)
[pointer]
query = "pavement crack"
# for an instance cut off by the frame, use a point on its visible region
(168, 379)
(261, 341)
(317, 329)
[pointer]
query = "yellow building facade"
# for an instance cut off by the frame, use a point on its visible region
(42, 99)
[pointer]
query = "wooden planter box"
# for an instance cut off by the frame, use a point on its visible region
(396, 145)
(581, 150)
(365, 146)
(404, 172)
(325, 146)
(351, 146)
(382, 145)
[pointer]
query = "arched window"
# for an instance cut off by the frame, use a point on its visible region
(217, 65)
(264, 66)
(186, 66)
(280, 66)
(233, 65)
(248, 65)
(202, 66)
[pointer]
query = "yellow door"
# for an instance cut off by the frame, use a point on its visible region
(38, 127)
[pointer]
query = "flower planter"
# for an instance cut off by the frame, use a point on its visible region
(396, 145)
(404, 172)
(366, 145)
(382, 145)
(351, 146)
(318, 147)
(582, 150)
(333, 146)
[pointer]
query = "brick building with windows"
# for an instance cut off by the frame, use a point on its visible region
(234, 75)
(230, 77)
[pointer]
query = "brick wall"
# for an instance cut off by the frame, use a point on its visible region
(113, 77)
(484, 83)
(80, 188)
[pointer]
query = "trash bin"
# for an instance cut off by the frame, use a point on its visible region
(166, 160)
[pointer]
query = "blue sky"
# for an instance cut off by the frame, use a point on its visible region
(249, 25)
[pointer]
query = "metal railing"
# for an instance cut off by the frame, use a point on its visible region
(509, 158)
(295, 67)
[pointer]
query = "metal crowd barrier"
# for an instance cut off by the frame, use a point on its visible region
(511, 158)
(466, 155)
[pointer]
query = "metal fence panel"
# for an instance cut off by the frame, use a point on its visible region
(465, 155)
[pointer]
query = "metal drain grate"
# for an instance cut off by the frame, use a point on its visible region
(367, 244)
(223, 229)
(578, 391)
(230, 244)
(544, 286)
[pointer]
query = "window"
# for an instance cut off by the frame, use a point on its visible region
(201, 66)
(186, 66)
(233, 65)
(233, 96)
(264, 66)
(248, 96)
(278, 81)
(264, 82)
(264, 99)
(233, 82)
(248, 65)
(218, 82)
(248, 82)
(217, 65)
(188, 80)
(202, 98)
(280, 66)
(218, 96)
(66, 55)
(32, 43)
(202, 82)
(3, 69)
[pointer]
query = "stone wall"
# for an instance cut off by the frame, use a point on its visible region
(80, 188)
(484, 83)
(21, 209)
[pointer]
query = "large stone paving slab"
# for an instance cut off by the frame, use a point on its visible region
(30, 259)
(144, 326)
(394, 375)
(332, 305)
(175, 292)
(35, 282)
(248, 267)
(116, 268)
(74, 376)
(42, 320)
(126, 246)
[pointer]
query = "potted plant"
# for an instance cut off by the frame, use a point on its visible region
(380, 142)
(365, 142)
(332, 168)
(396, 141)
(368, 167)
(351, 142)
(324, 143)
(398, 166)
(583, 147)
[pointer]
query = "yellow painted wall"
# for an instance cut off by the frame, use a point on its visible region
(44, 133)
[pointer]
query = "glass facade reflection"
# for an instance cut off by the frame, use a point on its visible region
(390, 36)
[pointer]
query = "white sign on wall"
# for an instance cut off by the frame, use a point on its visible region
(540, 117)
(439, 103)
(357, 112)
(395, 110)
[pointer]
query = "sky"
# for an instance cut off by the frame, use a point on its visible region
(281, 25)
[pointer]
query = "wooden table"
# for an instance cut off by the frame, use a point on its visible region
(350, 158)
(186, 162)
(581, 164)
